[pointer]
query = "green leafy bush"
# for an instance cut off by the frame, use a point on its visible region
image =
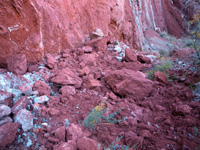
(96, 116)
(164, 66)
(194, 31)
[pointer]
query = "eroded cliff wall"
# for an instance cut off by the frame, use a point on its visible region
(37, 27)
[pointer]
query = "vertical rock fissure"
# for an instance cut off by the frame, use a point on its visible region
(136, 7)
(40, 30)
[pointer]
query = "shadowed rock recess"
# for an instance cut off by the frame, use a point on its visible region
(91, 75)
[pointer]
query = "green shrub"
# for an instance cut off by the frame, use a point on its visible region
(164, 66)
(194, 31)
(116, 146)
(96, 116)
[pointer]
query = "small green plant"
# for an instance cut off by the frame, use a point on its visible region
(96, 116)
(164, 66)
(116, 146)
(194, 31)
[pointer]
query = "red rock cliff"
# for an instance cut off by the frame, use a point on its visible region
(37, 27)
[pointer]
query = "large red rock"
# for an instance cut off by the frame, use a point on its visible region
(130, 55)
(68, 90)
(8, 133)
(135, 66)
(160, 76)
(60, 133)
(25, 118)
(50, 61)
(74, 132)
(42, 88)
(67, 77)
(143, 59)
(85, 143)
(128, 83)
(17, 64)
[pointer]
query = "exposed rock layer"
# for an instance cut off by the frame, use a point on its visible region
(37, 27)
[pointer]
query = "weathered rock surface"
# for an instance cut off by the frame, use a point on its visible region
(60, 133)
(160, 76)
(68, 90)
(57, 25)
(20, 104)
(182, 110)
(42, 88)
(85, 143)
(128, 83)
(5, 120)
(25, 118)
(6, 98)
(40, 27)
(4, 111)
(17, 64)
(130, 55)
(74, 132)
(53, 112)
(70, 145)
(41, 99)
(50, 61)
(66, 77)
(8, 133)
(143, 59)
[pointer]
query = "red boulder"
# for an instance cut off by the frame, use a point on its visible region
(8, 133)
(128, 83)
(160, 76)
(42, 88)
(67, 77)
(50, 61)
(17, 64)
(130, 55)
(143, 59)
(88, 144)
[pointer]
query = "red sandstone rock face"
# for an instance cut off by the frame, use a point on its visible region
(36, 27)
(173, 18)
